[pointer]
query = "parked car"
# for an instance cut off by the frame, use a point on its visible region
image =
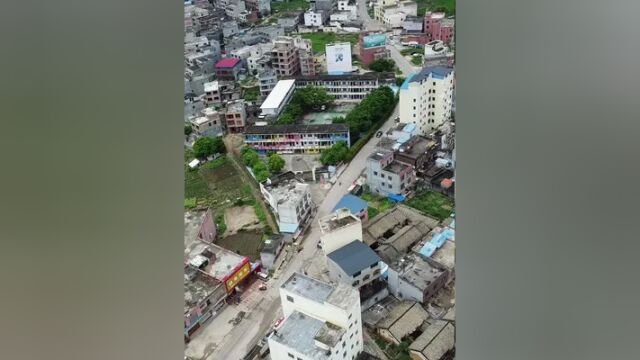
(262, 276)
(397, 119)
(262, 287)
(278, 323)
(378, 134)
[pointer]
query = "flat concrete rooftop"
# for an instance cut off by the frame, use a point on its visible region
(340, 218)
(299, 332)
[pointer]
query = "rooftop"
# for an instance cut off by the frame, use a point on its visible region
(200, 288)
(272, 243)
(299, 332)
(235, 106)
(438, 72)
(446, 255)
(200, 120)
(417, 271)
(351, 202)
(278, 94)
(338, 219)
(344, 77)
(436, 339)
(329, 334)
(288, 191)
(339, 295)
(214, 260)
(211, 86)
(354, 257)
(297, 129)
(403, 319)
(396, 167)
(227, 63)
(415, 147)
(379, 155)
(389, 223)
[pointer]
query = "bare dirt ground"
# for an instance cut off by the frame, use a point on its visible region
(240, 217)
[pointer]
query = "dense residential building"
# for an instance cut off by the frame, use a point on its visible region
(315, 18)
(348, 88)
(378, 8)
(349, 6)
(289, 21)
(277, 99)
(354, 264)
(208, 125)
(322, 321)
(412, 24)
(221, 264)
(285, 58)
(394, 15)
(268, 80)
(298, 139)
(404, 318)
(290, 200)
(417, 278)
(437, 27)
(203, 299)
(386, 176)
(261, 6)
(235, 116)
(308, 64)
(339, 229)
(213, 94)
(426, 98)
(228, 69)
(437, 341)
(324, 5)
(272, 248)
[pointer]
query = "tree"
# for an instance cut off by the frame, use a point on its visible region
(260, 171)
(276, 163)
(335, 154)
(250, 156)
(314, 97)
(218, 146)
(188, 130)
(399, 80)
(382, 65)
(203, 147)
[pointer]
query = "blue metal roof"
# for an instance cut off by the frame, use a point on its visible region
(353, 257)
(396, 197)
(437, 72)
(351, 202)
(436, 242)
(410, 127)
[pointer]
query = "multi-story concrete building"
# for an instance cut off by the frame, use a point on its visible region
(290, 200)
(228, 69)
(277, 99)
(322, 321)
(415, 277)
(261, 6)
(356, 206)
(272, 248)
(386, 176)
(308, 64)
(339, 229)
(295, 139)
(426, 98)
(203, 299)
(348, 88)
(268, 80)
(289, 22)
(284, 56)
(412, 24)
(235, 116)
(212, 93)
(324, 5)
(372, 47)
(208, 125)
(315, 18)
(378, 8)
(437, 27)
(394, 15)
(230, 28)
(259, 58)
(354, 264)
(348, 5)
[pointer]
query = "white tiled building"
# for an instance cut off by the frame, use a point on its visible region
(426, 98)
(322, 321)
(338, 229)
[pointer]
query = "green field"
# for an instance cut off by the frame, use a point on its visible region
(377, 204)
(448, 6)
(289, 5)
(320, 39)
(432, 203)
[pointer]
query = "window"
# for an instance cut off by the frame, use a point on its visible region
(389, 186)
(375, 173)
(350, 315)
(290, 299)
(389, 176)
(344, 343)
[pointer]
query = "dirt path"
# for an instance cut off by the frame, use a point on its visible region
(233, 148)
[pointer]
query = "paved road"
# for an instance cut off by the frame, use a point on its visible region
(403, 64)
(242, 336)
(369, 24)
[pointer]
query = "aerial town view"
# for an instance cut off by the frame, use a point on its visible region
(319, 173)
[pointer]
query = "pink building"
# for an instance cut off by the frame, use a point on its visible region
(207, 231)
(228, 69)
(438, 27)
(372, 46)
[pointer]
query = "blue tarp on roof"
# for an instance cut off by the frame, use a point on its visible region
(436, 242)
(396, 197)
(403, 138)
(405, 84)
(410, 127)
(288, 228)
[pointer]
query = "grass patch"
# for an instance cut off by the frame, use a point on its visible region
(289, 5)
(446, 6)
(221, 226)
(251, 94)
(410, 51)
(210, 165)
(190, 203)
(415, 60)
(320, 39)
(194, 184)
(432, 203)
(372, 212)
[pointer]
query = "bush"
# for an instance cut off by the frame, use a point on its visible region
(382, 65)
(206, 146)
(188, 130)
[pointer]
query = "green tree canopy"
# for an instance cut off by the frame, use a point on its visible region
(206, 146)
(382, 65)
(276, 163)
(335, 154)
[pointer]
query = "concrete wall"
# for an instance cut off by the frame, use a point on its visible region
(334, 240)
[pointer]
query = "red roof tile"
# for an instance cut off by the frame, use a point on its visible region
(227, 63)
